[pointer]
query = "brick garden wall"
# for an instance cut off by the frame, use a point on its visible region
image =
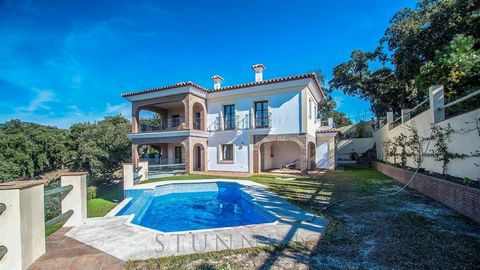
(463, 199)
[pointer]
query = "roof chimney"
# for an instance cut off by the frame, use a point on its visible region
(259, 69)
(217, 80)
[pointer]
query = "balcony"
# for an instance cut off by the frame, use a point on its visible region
(157, 124)
(242, 122)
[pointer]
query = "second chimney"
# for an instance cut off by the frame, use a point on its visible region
(217, 82)
(259, 69)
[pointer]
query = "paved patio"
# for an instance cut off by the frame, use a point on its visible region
(66, 253)
(115, 235)
(105, 243)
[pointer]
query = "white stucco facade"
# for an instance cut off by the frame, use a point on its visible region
(243, 123)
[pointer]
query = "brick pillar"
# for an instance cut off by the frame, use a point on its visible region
(303, 160)
(188, 112)
(135, 158)
(256, 155)
(188, 156)
(135, 123)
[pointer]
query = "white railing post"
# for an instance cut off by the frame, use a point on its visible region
(389, 119)
(330, 122)
(220, 120)
(437, 100)
(143, 170)
(127, 175)
(22, 223)
(76, 199)
(405, 115)
(252, 118)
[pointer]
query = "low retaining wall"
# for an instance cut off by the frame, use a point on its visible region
(463, 199)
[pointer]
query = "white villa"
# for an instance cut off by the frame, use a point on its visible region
(245, 128)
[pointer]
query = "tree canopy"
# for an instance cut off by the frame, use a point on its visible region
(28, 149)
(437, 42)
(327, 108)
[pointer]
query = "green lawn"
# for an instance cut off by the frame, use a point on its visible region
(407, 231)
(107, 198)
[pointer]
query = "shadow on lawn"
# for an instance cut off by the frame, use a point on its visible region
(312, 204)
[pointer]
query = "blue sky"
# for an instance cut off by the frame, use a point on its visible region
(63, 62)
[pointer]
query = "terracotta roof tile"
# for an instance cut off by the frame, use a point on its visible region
(330, 130)
(225, 88)
(275, 80)
(180, 84)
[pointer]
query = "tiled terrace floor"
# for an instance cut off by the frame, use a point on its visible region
(64, 252)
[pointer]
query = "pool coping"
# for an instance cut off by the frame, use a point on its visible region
(117, 236)
(242, 183)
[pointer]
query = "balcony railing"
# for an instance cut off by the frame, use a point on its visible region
(263, 120)
(242, 121)
(231, 123)
(171, 123)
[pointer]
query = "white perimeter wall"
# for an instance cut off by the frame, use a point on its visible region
(356, 145)
(465, 140)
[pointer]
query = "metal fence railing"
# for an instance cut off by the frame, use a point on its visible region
(458, 106)
(62, 192)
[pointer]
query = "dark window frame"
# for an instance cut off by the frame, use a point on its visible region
(227, 155)
(261, 114)
(229, 116)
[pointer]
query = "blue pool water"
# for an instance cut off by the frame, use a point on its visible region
(195, 206)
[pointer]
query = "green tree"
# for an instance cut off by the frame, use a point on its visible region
(457, 66)
(327, 107)
(101, 147)
(387, 76)
(28, 149)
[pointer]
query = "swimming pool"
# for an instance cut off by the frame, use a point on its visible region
(193, 206)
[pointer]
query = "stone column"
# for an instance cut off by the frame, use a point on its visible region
(22, 224)
(76, 199)
(436, 99)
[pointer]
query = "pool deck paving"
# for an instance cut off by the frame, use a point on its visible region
(114, 239)
(63, 252)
